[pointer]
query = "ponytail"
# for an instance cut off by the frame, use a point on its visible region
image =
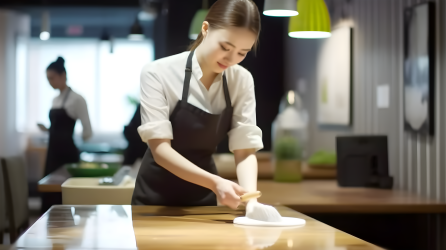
(197, 42)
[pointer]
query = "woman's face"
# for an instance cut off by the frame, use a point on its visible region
(55, 79)
(222, 48)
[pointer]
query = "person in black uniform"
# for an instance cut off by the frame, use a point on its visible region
(66, 109)
(135, 148)
(189, 102)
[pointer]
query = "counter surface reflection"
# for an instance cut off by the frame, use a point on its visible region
(152, 227)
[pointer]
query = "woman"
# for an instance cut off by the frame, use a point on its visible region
(189, 102)
(67, 108)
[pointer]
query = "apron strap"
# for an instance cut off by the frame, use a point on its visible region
(226, 91)
(66, 97)
(187, 76)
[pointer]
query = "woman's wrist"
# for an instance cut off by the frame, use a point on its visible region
(213, 180)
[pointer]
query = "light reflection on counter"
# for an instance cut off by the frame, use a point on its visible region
(74, 227)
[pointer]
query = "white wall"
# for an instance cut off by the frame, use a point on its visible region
(12, 25)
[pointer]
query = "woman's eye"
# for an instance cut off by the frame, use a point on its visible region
(223, 48)
(242, 54)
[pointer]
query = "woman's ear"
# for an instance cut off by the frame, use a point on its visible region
(204, 29)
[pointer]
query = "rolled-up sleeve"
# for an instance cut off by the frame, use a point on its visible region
(244, 133)
(155, 122)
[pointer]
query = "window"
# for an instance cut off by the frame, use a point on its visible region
(103, 78)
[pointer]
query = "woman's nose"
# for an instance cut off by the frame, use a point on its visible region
(229, 58)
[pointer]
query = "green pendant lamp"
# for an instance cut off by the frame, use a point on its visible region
(197, 21)
(313, 20)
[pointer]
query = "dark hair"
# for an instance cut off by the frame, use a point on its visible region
(232, 13)
(58, 66)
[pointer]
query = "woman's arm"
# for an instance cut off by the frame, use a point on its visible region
(178, 165)
(245, 138)
(246, 162)
(82, 113)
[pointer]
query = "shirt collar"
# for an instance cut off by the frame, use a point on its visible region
(65, 91)
(198, 73)
(63, 95)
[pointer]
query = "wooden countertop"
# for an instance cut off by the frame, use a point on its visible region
(150, 227)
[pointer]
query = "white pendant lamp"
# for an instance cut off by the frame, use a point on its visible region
(280, 8)
(45, 26)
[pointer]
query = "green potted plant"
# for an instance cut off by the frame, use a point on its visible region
(287, 159)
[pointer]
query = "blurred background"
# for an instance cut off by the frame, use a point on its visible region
(105, 44)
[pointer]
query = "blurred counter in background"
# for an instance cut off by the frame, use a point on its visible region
(227, 169)
(36, 150)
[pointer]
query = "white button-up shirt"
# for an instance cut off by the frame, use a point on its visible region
(162, 87)
(76, 108)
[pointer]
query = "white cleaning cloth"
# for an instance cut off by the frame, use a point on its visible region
(261, 212)
(258, 214)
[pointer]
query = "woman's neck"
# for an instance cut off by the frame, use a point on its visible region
(62, 88)
(208, 75)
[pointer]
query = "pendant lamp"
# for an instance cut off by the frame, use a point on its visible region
(136, 31)
(312, 22)
(45, 26)
(197, 21)
(280, 8)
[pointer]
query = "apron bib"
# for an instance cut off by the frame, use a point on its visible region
(196, 135)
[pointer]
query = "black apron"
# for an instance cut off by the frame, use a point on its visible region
(61, 148)
(196, 135)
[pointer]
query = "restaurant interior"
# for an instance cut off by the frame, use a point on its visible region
(348, 97)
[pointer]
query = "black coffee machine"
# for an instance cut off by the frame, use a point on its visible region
(362, 161)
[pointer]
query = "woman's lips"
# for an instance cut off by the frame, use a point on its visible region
(222, 66)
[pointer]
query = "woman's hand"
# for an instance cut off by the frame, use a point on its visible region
(228, 192)
(42, 127)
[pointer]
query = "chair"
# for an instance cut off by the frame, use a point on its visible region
(16, 187)
(2, 205)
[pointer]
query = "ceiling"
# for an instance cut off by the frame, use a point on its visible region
(87, 16)
(94, 16)
(110, 3)
(94, 20)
